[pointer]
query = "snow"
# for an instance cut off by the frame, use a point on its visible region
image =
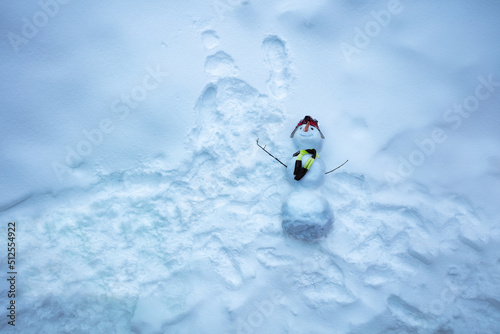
(306, 215)
(314, 178)
(143, 205)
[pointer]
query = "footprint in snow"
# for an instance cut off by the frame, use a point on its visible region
(276, 59)
(220, 65)
(210, 39)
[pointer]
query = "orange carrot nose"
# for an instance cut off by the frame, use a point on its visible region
(307, 127)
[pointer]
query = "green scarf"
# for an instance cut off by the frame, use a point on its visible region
(300, 170)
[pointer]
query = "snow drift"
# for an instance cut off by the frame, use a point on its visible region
(171, 222)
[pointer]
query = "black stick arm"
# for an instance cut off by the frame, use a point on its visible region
(337, 167)
(264, 148)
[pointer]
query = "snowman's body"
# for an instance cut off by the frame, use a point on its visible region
(313, 179)
(306, 212)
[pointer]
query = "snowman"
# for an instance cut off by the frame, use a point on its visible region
(306, 214)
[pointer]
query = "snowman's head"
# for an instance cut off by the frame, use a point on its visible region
(307, 135)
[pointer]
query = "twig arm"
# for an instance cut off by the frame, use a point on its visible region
(264, 148)
(337, 167)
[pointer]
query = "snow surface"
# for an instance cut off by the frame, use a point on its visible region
(143, 205)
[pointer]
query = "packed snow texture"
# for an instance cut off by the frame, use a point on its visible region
(306, 215)
(143, 205)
